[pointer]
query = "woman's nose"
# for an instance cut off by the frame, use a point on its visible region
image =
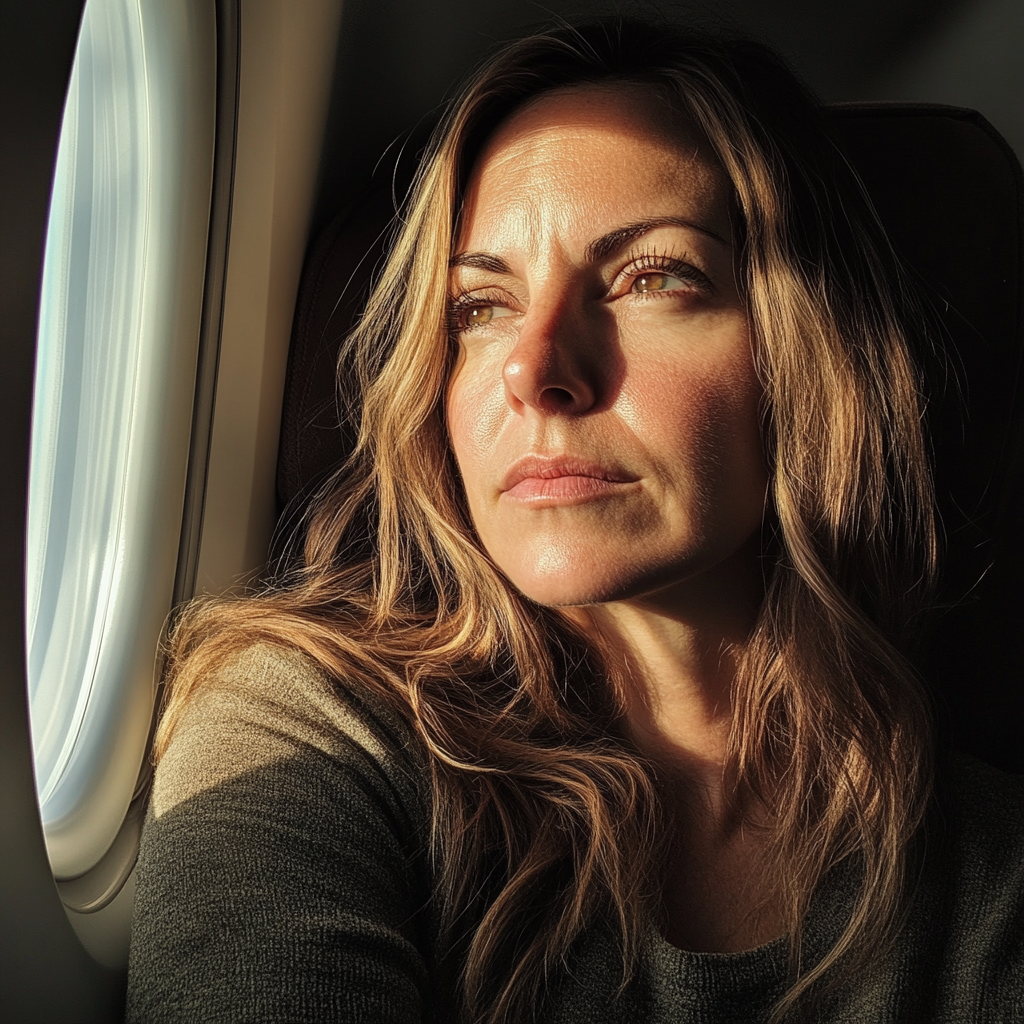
(553, 366)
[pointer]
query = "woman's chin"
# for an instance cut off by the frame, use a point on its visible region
(568, 589)
(567, 578)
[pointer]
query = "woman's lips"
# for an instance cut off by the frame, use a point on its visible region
(562, 480)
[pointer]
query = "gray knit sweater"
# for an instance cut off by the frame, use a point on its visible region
(283, 877)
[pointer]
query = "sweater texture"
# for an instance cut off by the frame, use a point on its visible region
(284, 877)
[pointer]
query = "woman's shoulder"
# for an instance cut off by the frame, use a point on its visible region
(979, 810)
(283, 872)
(980, 891)
(983, 808)
(268, 705)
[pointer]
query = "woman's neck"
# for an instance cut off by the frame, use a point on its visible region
(677, 652)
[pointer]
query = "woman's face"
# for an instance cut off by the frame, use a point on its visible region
(604, 407)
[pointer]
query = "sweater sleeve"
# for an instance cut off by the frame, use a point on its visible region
(282, 874)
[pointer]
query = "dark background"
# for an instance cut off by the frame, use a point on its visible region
(397, 59)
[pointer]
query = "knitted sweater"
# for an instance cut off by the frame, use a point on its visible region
(283, 876)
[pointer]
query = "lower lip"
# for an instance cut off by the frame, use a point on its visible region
(563, 490)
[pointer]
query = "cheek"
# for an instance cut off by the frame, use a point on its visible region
(702, 417)
(475, 410)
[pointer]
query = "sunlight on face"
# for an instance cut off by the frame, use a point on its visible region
(604, 408)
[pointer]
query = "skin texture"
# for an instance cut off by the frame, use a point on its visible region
(604, 414)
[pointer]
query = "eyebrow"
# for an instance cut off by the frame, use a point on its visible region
(607, 245)
(596, 251)
(482, 261)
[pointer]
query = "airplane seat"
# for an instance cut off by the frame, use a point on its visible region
(950, 193)
(334, 286)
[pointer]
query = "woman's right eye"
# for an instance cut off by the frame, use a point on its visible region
(467, 315)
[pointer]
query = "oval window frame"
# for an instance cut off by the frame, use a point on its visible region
(93, 798)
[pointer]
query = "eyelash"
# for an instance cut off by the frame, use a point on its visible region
(649, 260)
(666, 263)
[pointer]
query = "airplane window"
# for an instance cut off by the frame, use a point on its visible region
(115, 372)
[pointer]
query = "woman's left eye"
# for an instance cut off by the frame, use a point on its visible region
(656, 281)
(654, 274)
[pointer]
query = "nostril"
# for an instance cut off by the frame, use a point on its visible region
(558, 398)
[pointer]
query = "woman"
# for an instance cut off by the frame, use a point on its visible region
(589, 700)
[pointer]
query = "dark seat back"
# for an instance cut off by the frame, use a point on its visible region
(950, 193)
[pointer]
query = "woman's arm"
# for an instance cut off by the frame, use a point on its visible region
(282, 874)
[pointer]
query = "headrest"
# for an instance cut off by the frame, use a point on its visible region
(950, 193)
(333, 289)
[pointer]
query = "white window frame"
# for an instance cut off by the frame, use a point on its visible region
(164, 52)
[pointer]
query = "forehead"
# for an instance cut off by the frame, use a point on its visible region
(586, 160)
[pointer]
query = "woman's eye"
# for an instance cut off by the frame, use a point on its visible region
(478, 314)
(656, 281)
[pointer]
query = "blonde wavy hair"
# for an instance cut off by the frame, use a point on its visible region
(545, 819)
